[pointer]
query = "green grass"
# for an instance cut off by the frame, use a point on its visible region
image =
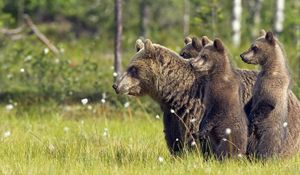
(52, 139)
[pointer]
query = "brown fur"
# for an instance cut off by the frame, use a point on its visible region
(224, 109)
(184, 95)
(193, 46)
(166, 77)
(270, 96)
(292, 146)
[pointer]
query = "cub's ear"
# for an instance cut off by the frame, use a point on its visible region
(270, 38)
(187, 40)
(196, 43)
(219, 45)
(205, 40)
(149, 48)
(139, 45)
(262, 32)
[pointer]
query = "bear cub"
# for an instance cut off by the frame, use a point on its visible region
(223, 130)
(270, 96)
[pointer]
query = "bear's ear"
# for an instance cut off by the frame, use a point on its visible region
(262, 32)
(187, 40)
(205, 40)
(139, 45)
(270, 38)
(219, 45)
(196, 43)
(149, 48)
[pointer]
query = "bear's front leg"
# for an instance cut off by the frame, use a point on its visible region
(173, 134)
(261, 109)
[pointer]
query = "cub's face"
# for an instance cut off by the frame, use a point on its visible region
(192, 48)
(260, 50)
(203, 62)
(136, 80)
(210, 58)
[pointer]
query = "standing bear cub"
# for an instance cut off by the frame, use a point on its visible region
(224, 126)
(270, 96)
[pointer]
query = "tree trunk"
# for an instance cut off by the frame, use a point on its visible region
(213, 18)
(256, 17)
(279, 17)
(118, 37)
(236, 22)
(144, 18)
(186, 18)
(20, 12)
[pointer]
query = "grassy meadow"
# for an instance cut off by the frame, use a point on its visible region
(59, 115)
(97, 139)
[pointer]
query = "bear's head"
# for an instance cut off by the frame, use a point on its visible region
(192, 48)
(260, 49)
(211, 57)
(141, 74)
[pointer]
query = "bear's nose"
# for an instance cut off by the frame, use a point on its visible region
(114, 86)
(242, 56)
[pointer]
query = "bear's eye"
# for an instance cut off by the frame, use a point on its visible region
(204, 57)
(184, 55)
(254, 48)
(133, 71)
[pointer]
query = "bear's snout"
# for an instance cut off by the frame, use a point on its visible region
(115, 87)
(244, 58)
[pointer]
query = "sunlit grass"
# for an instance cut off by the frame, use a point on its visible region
(51, 139)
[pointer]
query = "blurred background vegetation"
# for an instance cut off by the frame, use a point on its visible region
(83, 32)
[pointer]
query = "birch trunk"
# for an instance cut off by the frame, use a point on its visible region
(118, 38)
(186, 18)
(236, 22)
(279, 17)
(144, 18)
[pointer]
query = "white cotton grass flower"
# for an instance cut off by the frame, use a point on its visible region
(105, 132)
(193, 120)
(193, 143)
(28, 58)
(51, 147)
(172, 111)
(57, 61)
(62, 50)
(46, 51)
(177, 139)
(126, 104)
(115, 74)
(240, 155)
(227, 131)
(9, 107)
(157, 116)
(22, 70)
(103, 100)
(160, 159)
(285, 124)
(9, 76)
(84, 101)
(66, 129)
(6, 134)
(224, 139)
